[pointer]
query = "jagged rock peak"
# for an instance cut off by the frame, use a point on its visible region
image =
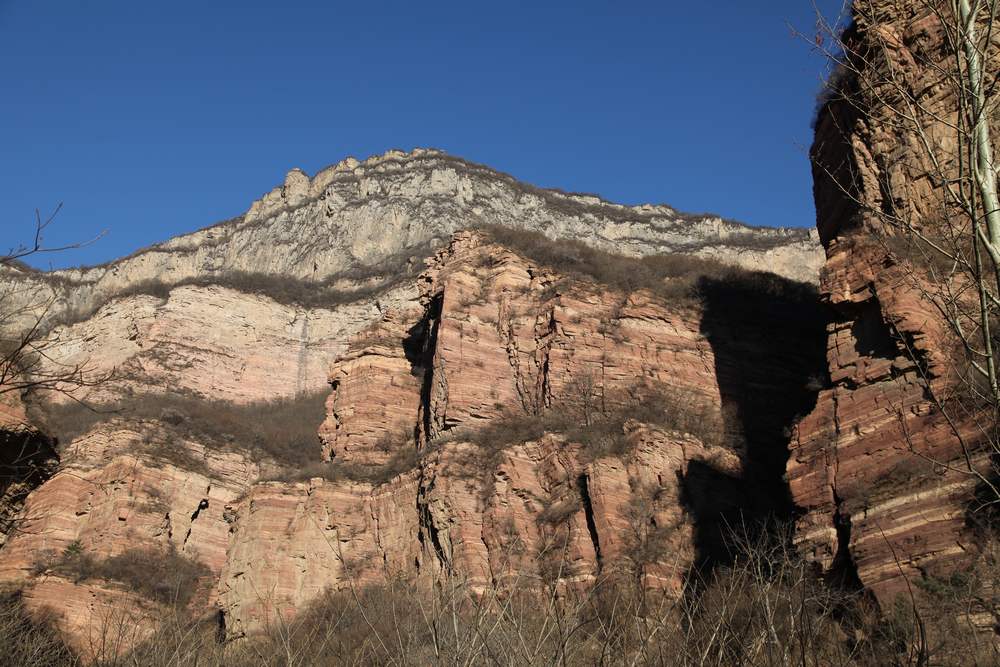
(359, 213)
(298, 185)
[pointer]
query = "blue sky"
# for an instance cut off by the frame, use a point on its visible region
(151, 119)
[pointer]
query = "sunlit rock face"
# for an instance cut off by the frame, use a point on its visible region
(358, 214)
(422, 336)
(213, 342)
(493, 334)
(878, 512)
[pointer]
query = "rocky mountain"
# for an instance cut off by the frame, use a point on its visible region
(452, 439)
(443, 357)
(886, 469)
(416, 369)
(352, 217)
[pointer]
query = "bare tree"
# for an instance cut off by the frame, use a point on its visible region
(28, 363)
(26, 307)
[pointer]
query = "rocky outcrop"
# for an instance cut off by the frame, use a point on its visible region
(119, 488)
(496, 333)
(27, 458)
(356, 215)
(537, 514)
(211, 342)
(492, 335)
(426, 473)
(130, 485)
(878, 469)
(878, 509)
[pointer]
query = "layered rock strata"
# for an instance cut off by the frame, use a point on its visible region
(483, 335)
(350, 218)
(210, 342)
(879, 469)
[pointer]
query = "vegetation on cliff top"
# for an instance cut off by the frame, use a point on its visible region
(283, 430)
(674, 277)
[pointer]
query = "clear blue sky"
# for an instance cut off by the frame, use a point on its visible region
(150, 119)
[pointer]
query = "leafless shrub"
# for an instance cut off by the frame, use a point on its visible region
(558, 511)
(284, 429)
(27, 639)
(360, 282)
(767, 608)
(676, 277)
(162, 576)
(405, 457)
(672, 276)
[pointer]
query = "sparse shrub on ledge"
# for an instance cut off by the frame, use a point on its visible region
(583, 415)
(674, 276)
(283, 429)
(767, 608)
(165, 577)
(405, 458)
(346, 286)
(30, 640)
(588, 415)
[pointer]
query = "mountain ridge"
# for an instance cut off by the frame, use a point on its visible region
(665, 223)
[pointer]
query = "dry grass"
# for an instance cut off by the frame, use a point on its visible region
(588, 415)
(284, 430)
(360, 282)
(164, 577)
(405, 458)
(767, 609)
(671, 276)
(28, 640)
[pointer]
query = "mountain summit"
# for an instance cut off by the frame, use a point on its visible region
(359, 213)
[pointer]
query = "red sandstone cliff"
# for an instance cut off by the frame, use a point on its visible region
(451, 450)
(878, 468)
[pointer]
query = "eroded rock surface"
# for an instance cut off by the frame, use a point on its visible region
(358, 214)
(491, 335)
(538, 513)
(211, 342)
(122, 487)
(877, 467)
(405, 487)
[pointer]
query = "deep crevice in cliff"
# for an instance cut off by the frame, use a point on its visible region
(843, 571)
(419, 347)
(27, 459)
(872, 336)
(583, 485)
(768, 335)
(428, 530)
(714, 501)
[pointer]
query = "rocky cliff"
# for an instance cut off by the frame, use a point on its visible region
(521, 412)
(883, 471)
(353, 216)
(391, 372)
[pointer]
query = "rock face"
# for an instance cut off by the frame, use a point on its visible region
(212, 342)
(27, 458)
(128, 485)
(537, 514)
(493, 334)
(426, 474)
(877, 510)
(121, 487)
(358, 214)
